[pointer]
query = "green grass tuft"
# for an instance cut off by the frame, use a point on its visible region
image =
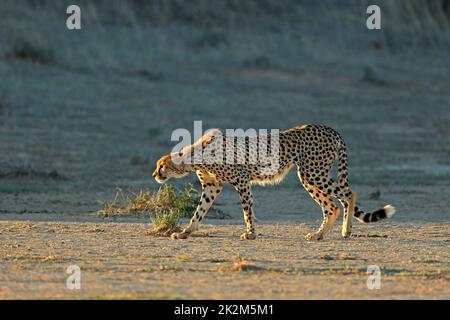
(167, 198)
(375, 195)
(165, 223)
(164, 206)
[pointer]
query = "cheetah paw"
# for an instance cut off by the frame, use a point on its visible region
(346, 234)
(181, 235)
(248, 236)
(313, 236)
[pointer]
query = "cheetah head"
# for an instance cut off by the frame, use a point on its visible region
(166, 168)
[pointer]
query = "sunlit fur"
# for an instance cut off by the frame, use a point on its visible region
(166, 169)
(276, 179)
(312, 148)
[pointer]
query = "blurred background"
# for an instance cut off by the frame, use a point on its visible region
(84, 111)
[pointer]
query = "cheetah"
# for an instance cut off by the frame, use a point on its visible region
(312, 148)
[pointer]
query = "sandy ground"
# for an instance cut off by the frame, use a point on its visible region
(120, 261)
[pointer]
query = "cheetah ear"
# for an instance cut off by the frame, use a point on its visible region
(209, 136)
(187, 152)
(176, 158)
(179, 163)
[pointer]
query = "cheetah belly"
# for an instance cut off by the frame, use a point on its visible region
(264, 179)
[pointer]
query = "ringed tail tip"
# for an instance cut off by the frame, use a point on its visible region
(390, 210)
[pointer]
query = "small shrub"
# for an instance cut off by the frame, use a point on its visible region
(33, 52)
(182, 202)
(165, 223)
(164, 206)
(166, 199)
(110, 207)
(375, 195)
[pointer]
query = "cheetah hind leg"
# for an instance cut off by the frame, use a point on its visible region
(349, 211)
(327, 224)
(329, 210)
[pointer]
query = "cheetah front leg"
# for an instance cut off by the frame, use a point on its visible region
(211, 189)
(245, 194)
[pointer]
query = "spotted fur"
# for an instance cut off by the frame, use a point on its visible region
(312, 148)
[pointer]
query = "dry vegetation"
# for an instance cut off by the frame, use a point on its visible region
(166, 199)
(164, 206)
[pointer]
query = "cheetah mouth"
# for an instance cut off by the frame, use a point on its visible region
(161, 180)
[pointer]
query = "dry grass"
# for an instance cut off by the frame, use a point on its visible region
(375, 195)
(164, 224)
(167, 199)
(164, 206)
(239, 265)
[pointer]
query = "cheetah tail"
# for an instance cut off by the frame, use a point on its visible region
(382, 213)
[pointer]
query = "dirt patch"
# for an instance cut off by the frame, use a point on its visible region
(118, 261)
